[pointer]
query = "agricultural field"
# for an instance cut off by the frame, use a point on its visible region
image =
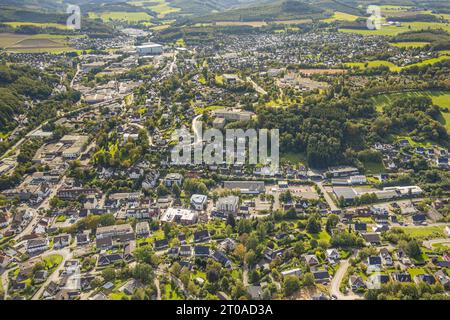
(161, 7)
(34, 43)
(341, 16)
(410, 44)
(393, 67)
(36, 24)
(439, 98)
(255, 24)
(393, 31)
(122, 15)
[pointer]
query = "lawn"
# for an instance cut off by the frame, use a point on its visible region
(117, 295)
(52, 261)
(322, 235)
(122, 15)
(341, 16)
(428, 232)
(416, 271)
(374, 167)
(293, 157)
(170, 294)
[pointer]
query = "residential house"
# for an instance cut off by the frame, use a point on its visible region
(107, 259)
(161, 244)
(222, 259)
(401, 277)
(142, 229)
(386, 257)
(356, 282)
(61, 241)
(201, 251)
(373, 263)
(427, 278)
(37, 245)
(292, 272)
(201, 236)
(311, 259)
(332, 254)
(321, 276)
(443, 278)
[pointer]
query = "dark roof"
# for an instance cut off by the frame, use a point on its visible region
(161, 243)
(372, 237)
(420, 217)
(428, 278)
(321, 274)
(360, 226)
(402, 276)
(201, 250)
(201, 235)
(374, 260)
(221, 257)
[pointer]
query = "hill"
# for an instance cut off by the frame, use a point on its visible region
(278, 10)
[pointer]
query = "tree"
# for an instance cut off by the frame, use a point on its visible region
(291, 285)
(413, 249)
(313, 224)
(308, 279)
(143, 272)
(239, 251)
(109, 274)
(231, 221)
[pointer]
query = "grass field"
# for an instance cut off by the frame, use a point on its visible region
(374, 64)
(161, 7)
(393, 67)
(430, 232)
(293, 157)
(393, 31)
(122, 15)
(440, 98)
(255, 24)
(35, 43)
(341, 16)
(36, 24)
(409, 44)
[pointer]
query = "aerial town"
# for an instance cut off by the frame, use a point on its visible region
(93, 207)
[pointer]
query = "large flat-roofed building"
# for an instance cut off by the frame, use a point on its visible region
(179, 215)
(348, 194)
(114, 231)
(76, 143)
(342, 171)
(149, 49)
(234, 114)
(246, 187)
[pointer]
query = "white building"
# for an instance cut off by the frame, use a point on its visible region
(179, 215)
(228, 204)
(149, 49)
(199, 201)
